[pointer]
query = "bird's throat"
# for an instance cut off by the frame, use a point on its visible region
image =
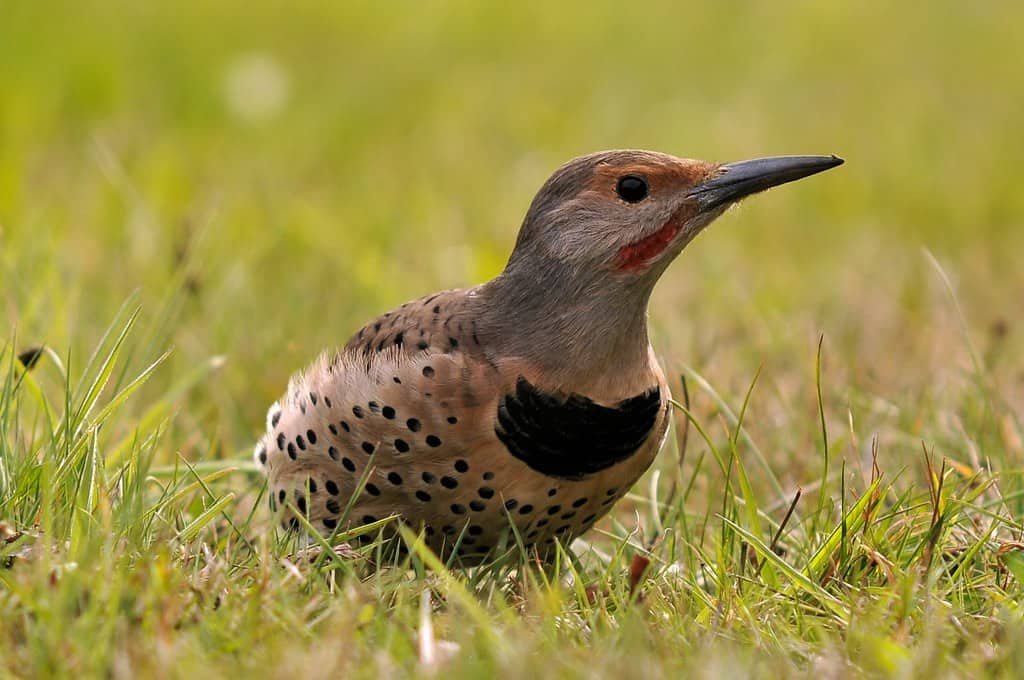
(580, 333)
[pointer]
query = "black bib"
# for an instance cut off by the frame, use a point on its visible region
(573, 437)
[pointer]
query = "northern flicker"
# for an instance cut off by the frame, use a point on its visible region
(533, 401)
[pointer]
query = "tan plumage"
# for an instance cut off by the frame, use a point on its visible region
(533, 400)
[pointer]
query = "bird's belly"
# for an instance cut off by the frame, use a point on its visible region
(346, 451)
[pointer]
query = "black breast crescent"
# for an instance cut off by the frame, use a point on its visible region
(572, 437)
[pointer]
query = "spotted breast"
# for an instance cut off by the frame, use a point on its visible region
(414, 418)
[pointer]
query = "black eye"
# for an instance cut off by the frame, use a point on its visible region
(632, 188)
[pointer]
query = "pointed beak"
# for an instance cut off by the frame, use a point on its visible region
(737, 180)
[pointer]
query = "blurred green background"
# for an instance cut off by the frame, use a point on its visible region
(271, 175)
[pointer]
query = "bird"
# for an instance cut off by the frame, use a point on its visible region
(518, 411)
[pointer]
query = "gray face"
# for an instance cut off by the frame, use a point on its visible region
(632, 212)
(616, 211)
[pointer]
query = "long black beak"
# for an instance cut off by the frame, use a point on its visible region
(749, 177)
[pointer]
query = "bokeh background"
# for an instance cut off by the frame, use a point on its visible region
(268, 176)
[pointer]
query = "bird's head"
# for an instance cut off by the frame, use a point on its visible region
(625, 215)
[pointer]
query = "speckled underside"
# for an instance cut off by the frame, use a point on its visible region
(460, 445)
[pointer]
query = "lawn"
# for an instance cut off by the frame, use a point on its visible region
(194, 201)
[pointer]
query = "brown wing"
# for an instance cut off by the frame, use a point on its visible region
(436, 323)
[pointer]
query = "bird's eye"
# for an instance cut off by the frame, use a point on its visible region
(632, 188)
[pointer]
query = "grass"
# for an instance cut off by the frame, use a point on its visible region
(193, 204)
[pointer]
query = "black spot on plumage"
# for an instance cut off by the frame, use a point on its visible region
(301, 442)
(395, 478)
(280, 441)
(333, 428)
(330, 523)
(562, 529)
(401, 446)
(423, 496)
(573, 437)
(461, 466)
(552, 492)
(388, 412)
(543, 522)
(333, 506)
(311, 483)
(348, 464)
(374, 407)
(300, 503)
(372, 489)
(452, 420)
(262, 455)
(292, 453)
(430, 531)
(345, 426)
(282, 496)
(429, 477)
(526, 509)
(449, 482)
(313, 398)
(368, 519)
(477, 506)
(399, 339)
(458, 508)
(357, 411)
(437, 309)
(568, 515)
(311, 436)
(579, 502)
(413, 424)
(554, 509)
(475, 530)
(331, 486)
(488, 476)
(448, 529)
(397, 380)
(511, 504)
(612, 491)
(376, 326)
(327, 402)
(428, 371)
(275, 419)
(422, 345)
(588, 519)
(368, 447)
(433, 441)
(293, 524)
(332, 452)
(486, 492)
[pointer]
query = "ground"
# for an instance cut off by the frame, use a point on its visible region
(193, 203)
